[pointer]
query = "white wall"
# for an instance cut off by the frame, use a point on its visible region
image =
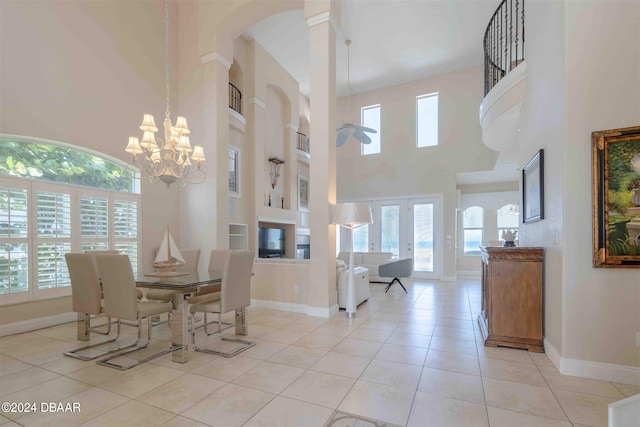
(583, 75)
(403, 170)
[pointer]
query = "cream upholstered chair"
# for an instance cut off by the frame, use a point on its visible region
(107, 252)
(191, 261)
(86, 297)
(235, 293)
(120, 302)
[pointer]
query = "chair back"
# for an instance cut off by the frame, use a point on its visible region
(217, 261)
(191, 258)
(119, 286)
(236, 281)
(99, 252)
(85, 287)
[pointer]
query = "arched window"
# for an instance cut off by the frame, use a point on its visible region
(472, 224)
(508, 219)
(54, 199)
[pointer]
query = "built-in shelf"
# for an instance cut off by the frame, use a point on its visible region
(238, 237)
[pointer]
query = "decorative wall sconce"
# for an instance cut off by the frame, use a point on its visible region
(274, 170)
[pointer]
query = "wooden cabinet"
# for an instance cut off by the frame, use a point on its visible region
(512, 297)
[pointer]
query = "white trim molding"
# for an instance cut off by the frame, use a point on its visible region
(257, 102)
(322, 18)
(37, 323)
(215, 56)
(595, 370)
(291, 126)
(237, 120)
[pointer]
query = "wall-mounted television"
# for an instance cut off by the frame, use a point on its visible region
(270, 243)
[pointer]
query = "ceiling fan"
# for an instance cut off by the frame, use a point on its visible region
(352, 129)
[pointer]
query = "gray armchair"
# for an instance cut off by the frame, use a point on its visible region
(396, 269)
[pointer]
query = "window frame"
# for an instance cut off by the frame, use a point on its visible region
(437, 118)
(475, 252)
(238, 172)
(378, 135)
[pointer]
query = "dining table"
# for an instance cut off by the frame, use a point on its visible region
(185, 284)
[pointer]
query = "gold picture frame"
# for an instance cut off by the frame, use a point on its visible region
(615, 165)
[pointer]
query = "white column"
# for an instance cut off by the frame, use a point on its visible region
(322, 169)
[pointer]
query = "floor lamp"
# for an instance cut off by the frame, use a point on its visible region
(351, 216)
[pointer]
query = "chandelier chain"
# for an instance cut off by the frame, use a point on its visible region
(166, 54)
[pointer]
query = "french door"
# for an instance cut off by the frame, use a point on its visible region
(410, 228)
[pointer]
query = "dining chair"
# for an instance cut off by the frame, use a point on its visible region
(86, 298)
(192, 260)
(235, 293)
(120, 302)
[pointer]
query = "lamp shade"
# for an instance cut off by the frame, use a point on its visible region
(352, 215)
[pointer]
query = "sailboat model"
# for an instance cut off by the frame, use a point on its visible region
(169, 256)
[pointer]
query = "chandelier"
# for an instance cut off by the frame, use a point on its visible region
(167, 160)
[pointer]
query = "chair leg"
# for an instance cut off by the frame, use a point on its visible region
(123, 367)
(395, 279)
(245, 344)
(98, 349)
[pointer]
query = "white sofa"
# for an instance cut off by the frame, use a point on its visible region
(369, 260)
(360, 280)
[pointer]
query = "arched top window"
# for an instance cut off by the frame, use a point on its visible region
(65, 164)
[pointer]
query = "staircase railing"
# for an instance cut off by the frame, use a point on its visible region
(503, 42)
(303, 142)
(235, 98)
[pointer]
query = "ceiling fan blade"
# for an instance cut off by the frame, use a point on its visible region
(366, 129)
(341, 139)
(362, 137)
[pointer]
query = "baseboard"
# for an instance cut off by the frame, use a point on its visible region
(595, 370)
(295, 308)
(38, 323)
(469, 273)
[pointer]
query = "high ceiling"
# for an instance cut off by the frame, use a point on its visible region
(393, 41)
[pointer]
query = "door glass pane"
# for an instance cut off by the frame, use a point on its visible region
(390, 229)
(423, 237)
(361, 239)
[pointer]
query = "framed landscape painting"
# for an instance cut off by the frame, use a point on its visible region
(615, 168)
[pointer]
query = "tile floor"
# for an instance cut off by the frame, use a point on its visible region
(406, 360)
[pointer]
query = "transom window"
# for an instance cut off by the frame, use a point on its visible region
(472, 220)
(56, 199)
(370, 117)
(427, 120)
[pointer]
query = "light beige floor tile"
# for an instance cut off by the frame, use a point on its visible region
(263, 350)
(393, 374)
(282, 411)
(540, 359)
(503, 353)
(584, 408)
(92, 403)
(402, 354)
(453, 345)
(180, 421)
(319, 388)
(368, 334)
(9, 365)
(51, 351)
(181, 393)
(284, 336)
(525, 398)
(299, 357)
(465, 334)
(269, 377)
(335, 329)
(435, 411)
(231, 406)
(511, 371)
(380, 324)
(580, 385)
(95, 374)
(416, 328)
(318, 341)
(460, 314)
(342, 364)
(23, 379)
(132, 414)
(23, 346)
(197, 360)
(65, 365)
(454, 323)
(54, 390)
(452, 384)
(379, 402)
(455, 362)
(357, 347)
(409, 339)
(627, 389)
(499, 417)
(227, 369)
(141, 380)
